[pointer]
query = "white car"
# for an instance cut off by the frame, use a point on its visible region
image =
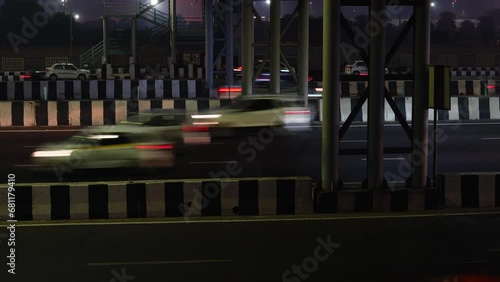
(119, 146)
(358, 68)
(281, 113)
(66, 71)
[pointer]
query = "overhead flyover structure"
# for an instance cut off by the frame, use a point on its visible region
(377, 58)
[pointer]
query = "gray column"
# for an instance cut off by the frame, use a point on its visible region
(376, 100)
(173, 30)
(303, 64)
(134, 40)
(209, 43)
(247, 39)
(331, 95)
(275, 46)
(105, 39)
(228, 15)
(420, 117)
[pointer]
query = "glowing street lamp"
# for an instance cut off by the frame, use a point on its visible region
(154, 2)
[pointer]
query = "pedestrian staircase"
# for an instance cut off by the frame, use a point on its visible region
(93, 56)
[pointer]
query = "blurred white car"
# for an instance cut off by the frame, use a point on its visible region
(66, 71)
(280, 112)
(107, 147)
(358, 68)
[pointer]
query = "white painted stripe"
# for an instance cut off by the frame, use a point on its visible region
(400, 85)
(143, 88)
(431, 115)
(93, 90)
(120, 111)
(494, 108)
(38, 130)
(77, 89)
(52, 113)
(97, 112)
(168, 104)
(175, 89)
(44, 85)
(126, 85)
(267, 197)
(193, 202)
(158, 89)
(388, 113)
(454, 114)
(29, 114)
(214, 104)
(408, 108)
(191, 106)
(74, 113)
(345, 109)
(490, 138)
(41, 202)
(353, 88)
(27, 90)
(155, 200)
(476, 86)
(5, 114)
(126, 222)
(229, 196)
(205, 261)
(110, 89)
(364, 110)
(191, 88)
(79, 201)
(473, 108)
(144, 106)
(117, 201)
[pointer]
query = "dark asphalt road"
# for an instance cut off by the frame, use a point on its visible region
(470, 147)
(369, 249)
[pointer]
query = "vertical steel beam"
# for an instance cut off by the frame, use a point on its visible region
(134, 40)
(275, 46)
(173, 30)
(376, 101)
(303, 63)
(105, 39)
(420, 118)
(228, 15)
(331, 95)
(209, 43)
(247, 46)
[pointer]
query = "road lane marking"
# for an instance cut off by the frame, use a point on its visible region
(352, 141)
(490, 138)
(388, 159)
(216, 162)
(201, 261)
(255, 220)
(39, 130)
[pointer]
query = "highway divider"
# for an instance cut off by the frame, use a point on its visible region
(470, 190)
(158, 199)
(99, 112)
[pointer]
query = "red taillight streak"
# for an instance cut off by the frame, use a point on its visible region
(155, 147)
(309, 79)
(297, 112)
(236, 89)
(195, 129)
(491, 87)
(25, 76)
(363, 74)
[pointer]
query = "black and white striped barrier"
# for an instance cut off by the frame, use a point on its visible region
(475, 71)
(172, 72)
(98, 112)
(156, 199)
(101, 89)
(477, 190)
(376, 201)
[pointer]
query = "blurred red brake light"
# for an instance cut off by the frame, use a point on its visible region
(195, 128)
(297, 112)
(155, 147)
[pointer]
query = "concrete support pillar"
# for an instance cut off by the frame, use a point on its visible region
(420, 118)
(331, 95)
(209, 43)
(173, 30)
(105, 40)
(303, 64)
(376, 100)
(275, 46)
(229, 42)
(247, 32)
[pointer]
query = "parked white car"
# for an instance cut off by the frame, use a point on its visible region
(66, 71)
(358, 68)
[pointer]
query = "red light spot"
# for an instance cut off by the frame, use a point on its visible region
(297, 112)
(25, 76)
(155, 147)
(491, 87)
(195, 128)
(228, 89)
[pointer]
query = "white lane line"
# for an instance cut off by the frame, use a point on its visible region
(221, 221)
(39, 130)
(440, 124)
(219, 162)
(388, 159)
(490, 138)
(201, 261)
(352, 141)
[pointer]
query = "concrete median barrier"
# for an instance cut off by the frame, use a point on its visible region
(470, 190)
(158, 199)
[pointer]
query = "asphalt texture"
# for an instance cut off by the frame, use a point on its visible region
(463, 147)
(428, 248)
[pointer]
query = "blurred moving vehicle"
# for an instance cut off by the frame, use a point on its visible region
(66, 71)
(282, 113)
(118, 146)
(358, 68)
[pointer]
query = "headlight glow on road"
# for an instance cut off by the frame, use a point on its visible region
(205, 116)
(50, 154)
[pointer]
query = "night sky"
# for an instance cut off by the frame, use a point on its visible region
(91, 9)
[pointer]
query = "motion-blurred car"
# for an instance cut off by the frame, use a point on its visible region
(282, 113)
(107, 147)
(66, 71)
(358, 68)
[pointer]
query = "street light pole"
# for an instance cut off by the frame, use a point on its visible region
(71, 29)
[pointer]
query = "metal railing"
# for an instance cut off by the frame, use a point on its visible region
(92, 55)
(145, 6)
(119, 8)
(153, 16)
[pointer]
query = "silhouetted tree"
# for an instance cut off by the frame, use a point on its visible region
(446, 27)
(486, 29)
(467, 33)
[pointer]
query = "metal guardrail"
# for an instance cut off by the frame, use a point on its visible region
(119, 8)
(13, 64)
(93, 54)
(50, 61)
